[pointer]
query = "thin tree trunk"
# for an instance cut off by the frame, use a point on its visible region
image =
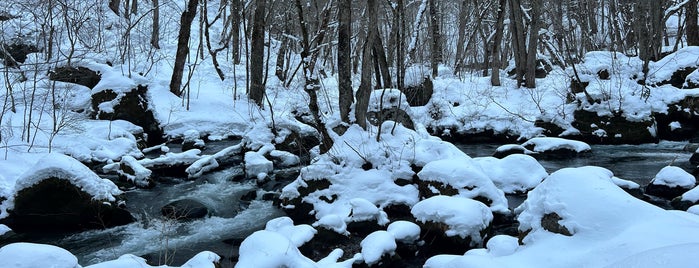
(692, 30)
(182, 46)
(380, 54)
(518, 45)
(436, 44)
(463, 14)
(530, 74)
(155, 33)
(257, 52)
(344, 52)
(400, 45)
(365, 84)
(499, 29)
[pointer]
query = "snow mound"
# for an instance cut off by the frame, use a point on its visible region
(515, 173)
(467, 176)
(502, 245)
(29, 255)
(545, 144)
(672, 176)
(663, 69)
(463, 217)
(297, 234)
(404, 231)
(377, 244)
(691, 195)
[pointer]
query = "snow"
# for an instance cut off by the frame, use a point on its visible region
(4, 229)
(664, 68)
(141, 175)
(286, 159)
(55, 165)
(464, 217)
(502, 245)
(544, 144)
(256, 164)
(363, 210)
(404, 231)
(463, 174)
(297, 234)
(204, 259)
(691, 195)
(377, 244)
(515, 173)
(29, 255)
(625, 184)
(609, 228)
(673, 176)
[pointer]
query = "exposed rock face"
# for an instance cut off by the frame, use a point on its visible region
(76, 75)
(131, 106)
(612, 130)
(681, 121)
(419, 95)
(185, 209)
(665, 191)
(550, 223)
(57, 205)
(17, 51)
(392, 114)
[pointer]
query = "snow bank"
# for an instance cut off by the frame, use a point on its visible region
(609, 228)
(464, 217)
(297, 234)
(29, 255)
(404, 231)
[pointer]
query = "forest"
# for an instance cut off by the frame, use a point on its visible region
(338, 133)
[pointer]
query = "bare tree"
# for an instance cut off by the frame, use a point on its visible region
(365, 84)
(344, 51)
(257, 50)
(182, 46)
(436, 44)
(692, 30)
(499, 29)
(155, 33)
(534, 18)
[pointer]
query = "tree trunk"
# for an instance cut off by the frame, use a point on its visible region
(365, 84)
(257, 52)
(380, 54)
(692, 30)
(530, 74)
(155, 33)
(463, 14)
(235, 30)
(518, 45)
(114, 6)
(182, 46)
(344, 65)
(436, 44)
(499, 29)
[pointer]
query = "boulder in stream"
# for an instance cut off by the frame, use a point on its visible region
(671, 182)
(185, 209)
(61, 194)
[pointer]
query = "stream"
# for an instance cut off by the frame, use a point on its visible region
(173, 242)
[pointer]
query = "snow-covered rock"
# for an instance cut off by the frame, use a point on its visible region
(30, 255)
(376, 245)
(404, 231)
(256, 165)
(515, 173)
(556, 146)
(462, 176)
(670, 182)
(460, 216)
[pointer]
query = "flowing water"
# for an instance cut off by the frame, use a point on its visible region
(159, 240)
(637, 163)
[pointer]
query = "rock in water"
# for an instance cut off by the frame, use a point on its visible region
(185, 209)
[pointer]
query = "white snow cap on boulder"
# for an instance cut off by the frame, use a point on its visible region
(544, 144)
(465, 217)
(672, 176)
(30, 255)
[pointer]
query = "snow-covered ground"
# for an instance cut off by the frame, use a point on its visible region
(607, 226)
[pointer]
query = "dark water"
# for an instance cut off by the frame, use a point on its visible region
(638, 163)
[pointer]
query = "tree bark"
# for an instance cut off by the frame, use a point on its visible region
(436, 44)
(692, 30)
(235, 30)
(344, 65)
(463, 14)
(365, 84)
(499, 29)
(257, 52)
(182, 46)
(518, 37)
(155, 33)
(530, 74)
(114, 6)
